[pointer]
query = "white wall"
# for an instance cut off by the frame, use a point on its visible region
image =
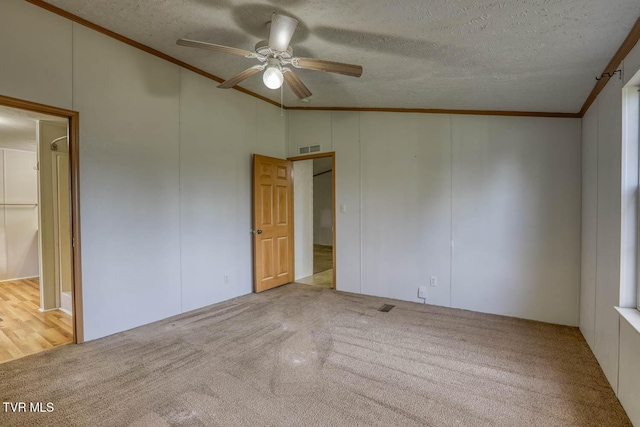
(488, 205)
(129, 170)
(37, 65)
(165, 167)
(345, 139)
(323, 209)
(607, 265)
(406, 204)
(303, 191)
(516, 210)
(589, 224)
(629, 387)
(18, 224)
(219, 130)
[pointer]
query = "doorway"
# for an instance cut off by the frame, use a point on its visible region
(39, 295)
(314, 219)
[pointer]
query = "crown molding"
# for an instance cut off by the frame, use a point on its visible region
(624, 49)
(442, 111)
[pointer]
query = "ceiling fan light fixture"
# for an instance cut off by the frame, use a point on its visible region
(272, 76)
(274, 55)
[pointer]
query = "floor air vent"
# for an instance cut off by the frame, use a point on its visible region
(386, 308)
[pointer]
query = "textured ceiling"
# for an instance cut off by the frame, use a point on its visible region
(18, 128)
(523, 55)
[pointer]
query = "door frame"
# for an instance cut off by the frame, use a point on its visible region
(331, 154)
(73, 118)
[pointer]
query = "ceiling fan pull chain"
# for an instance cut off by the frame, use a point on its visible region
(281, 101)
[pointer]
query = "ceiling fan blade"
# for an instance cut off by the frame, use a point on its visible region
(282, 29)
(296, 85)
(327, 66)
(229, 83)
(216, 47)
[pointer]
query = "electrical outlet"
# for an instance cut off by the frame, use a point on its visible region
(422, 292)
(226, 279)
(433, 281)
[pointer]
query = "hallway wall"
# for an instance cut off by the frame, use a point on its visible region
(323, 209)
(303, 208)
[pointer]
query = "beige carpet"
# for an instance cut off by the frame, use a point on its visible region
(306, 356)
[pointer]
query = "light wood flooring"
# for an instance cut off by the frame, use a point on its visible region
(23, 328)
(322, 268)
(323, 279)
(322, 258)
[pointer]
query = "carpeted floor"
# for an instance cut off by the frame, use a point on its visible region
(307, 356)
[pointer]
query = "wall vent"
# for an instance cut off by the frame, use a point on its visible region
(310, 149)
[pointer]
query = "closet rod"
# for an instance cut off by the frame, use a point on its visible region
(18, 204)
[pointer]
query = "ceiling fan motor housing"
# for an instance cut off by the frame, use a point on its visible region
(263, 48)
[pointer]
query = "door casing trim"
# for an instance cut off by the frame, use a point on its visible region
(331, 154)
(73, 118)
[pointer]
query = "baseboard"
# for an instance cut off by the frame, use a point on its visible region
(56, 309)
(65, 311)
(19, 278)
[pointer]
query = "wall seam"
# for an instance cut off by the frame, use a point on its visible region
(288, 137)
(451, 211)
(617, 390)
(73, 48)
(595, 285)
(180, 187)
(360, 190)
(581, 222)
(331, 121)
(4, 211)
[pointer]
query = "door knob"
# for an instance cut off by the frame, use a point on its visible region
(259, 231)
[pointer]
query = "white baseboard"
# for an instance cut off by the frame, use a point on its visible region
(66, 302)
(19, 278)
(66, 311)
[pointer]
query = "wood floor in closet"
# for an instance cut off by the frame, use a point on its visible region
(23, 328)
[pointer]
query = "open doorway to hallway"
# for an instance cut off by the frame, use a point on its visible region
(314, 221)
(36, 309)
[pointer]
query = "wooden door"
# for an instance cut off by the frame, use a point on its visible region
(272, 222)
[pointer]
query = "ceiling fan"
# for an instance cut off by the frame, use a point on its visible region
(275, 54)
